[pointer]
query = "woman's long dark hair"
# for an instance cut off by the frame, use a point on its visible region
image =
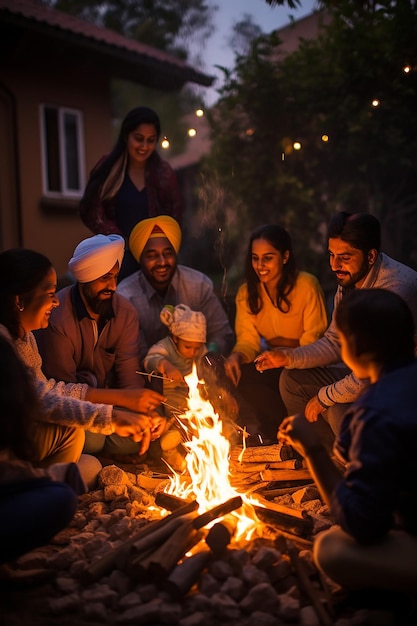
(111, 170)
(279, 239)
(22, 270)
(19, 403)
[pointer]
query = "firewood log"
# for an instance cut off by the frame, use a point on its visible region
(107, 562)
(221, 533)
(184, 575)
(296, 521)
(169, 502)
(164, 558)
(285, 474)
(262, 454)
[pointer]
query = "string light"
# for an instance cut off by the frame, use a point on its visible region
(375, 102)
(325, 138)
(192, 132)
(199, 112)
(165, 143)
(297, 145)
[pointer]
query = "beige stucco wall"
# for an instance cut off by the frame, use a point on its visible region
(57, 231)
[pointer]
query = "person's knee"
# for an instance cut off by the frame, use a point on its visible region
(329, 552)
(89, 467)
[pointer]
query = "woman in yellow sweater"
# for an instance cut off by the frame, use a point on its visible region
(277, 306)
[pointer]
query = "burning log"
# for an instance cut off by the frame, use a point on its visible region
(296, 521)
(170, 502)
(116, 555)
(220, 535)
(161, 561)
(184, 575)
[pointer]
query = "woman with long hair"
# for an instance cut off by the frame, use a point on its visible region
(278, 305)
(33, 506)
(131, 183)
(27, 297)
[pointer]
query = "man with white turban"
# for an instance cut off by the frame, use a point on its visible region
(93, 335)
(155, 242)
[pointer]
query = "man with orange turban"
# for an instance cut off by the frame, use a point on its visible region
(155, 242)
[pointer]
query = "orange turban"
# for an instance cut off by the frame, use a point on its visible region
(160, 226)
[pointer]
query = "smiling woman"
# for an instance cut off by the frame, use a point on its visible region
(277, 306)
(27, 298)
(131, 183)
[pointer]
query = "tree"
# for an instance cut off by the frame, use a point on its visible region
(244, 32)
(348, 86)
(168, 25)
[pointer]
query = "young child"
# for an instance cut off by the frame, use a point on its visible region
(173, 358)
(373, 547)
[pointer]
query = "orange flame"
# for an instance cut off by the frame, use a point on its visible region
(207, 462)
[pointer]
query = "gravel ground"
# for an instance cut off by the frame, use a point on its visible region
(269, 581)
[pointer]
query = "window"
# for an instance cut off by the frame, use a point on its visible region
(62, 141)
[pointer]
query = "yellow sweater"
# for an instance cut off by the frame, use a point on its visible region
(306, 319)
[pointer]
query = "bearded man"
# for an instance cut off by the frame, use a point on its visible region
(315, 381)
(93, 335)
(155, 243)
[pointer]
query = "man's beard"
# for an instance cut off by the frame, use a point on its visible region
(355, 278)
(104, 308)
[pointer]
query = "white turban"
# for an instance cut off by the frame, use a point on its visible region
(184, 323)
(96, 256)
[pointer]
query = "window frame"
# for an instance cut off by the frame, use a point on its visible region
(65, 191)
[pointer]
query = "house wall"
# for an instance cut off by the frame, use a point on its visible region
(54, 229)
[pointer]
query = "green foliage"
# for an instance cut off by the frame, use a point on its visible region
(165, 24)
(326, 87)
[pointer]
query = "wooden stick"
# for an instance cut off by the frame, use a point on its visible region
(261, 454)
(312, 593)
(184, 575)
(170, 502)
(220, 534)
(286, 474)
(282, 508)
(274, 493)
(164, 558)
(103, 565)
(249, 467)
(296, 521)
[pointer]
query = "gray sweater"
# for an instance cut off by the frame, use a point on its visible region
(386, 273)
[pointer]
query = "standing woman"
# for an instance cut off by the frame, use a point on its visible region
(277, 306)
(131, 183)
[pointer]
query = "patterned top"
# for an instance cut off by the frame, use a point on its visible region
(62, 403)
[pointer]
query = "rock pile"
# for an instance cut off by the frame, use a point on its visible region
(268, 582)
